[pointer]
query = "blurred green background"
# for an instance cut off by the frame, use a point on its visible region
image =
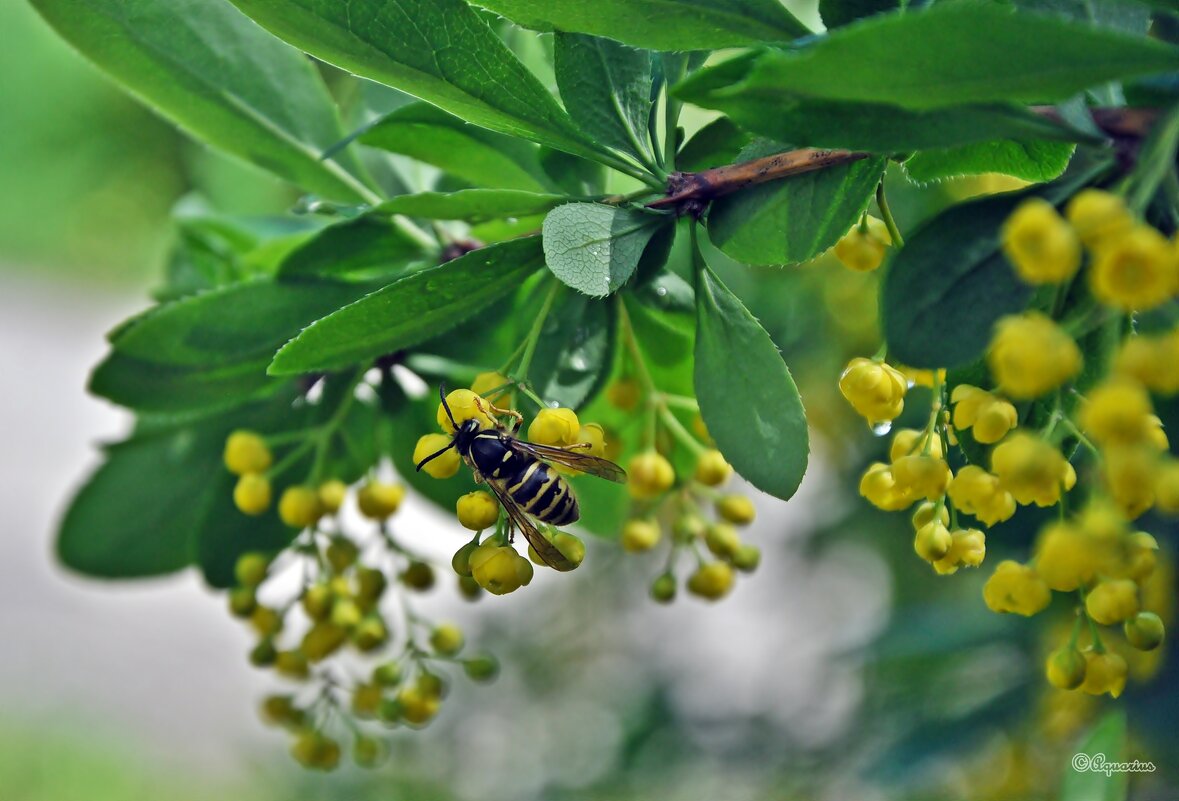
(842, 669)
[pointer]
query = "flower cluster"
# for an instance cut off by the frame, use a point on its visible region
(1038, 408)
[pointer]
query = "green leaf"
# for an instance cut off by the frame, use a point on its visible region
(946, 288)
(212, 349)
(1105, 743)
(595, 248)
(1032, 161)
(575, 350)
(717, 143)
(441, 51)
(796, 218)
(886, 59)
(366, 247)
(466, 151)
(659, 24)
(841, 12)
(1156, 160)
(606, 87)
(472, 205)
(208, 68)
(411, 310)
(747, 398)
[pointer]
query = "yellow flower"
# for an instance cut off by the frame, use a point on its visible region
(1129, 474)
(1032, 470)
(464, 405)
(921, 476)
(1067, 557)
(1136, 270)
(1066, 668)
(1152, 360)
(593, 435)
(1113, 601)
(1016, 588)
(1030, 355)
(1098, 216)
(486, 382)
(1104, 673)
(1117, 412)
(557, 427)
(989, 416)
(499, 569)
(874, 389)
(443, 466)
(1166, 487)
(968, 548)
(977, 492)
(863, 250)
(880, 488)
(1041, 245)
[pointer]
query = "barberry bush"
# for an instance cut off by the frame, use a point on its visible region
(572, 212)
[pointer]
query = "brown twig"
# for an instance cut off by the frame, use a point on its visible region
(690, 192)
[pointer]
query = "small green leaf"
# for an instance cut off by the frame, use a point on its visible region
(205, 66)
(595, 248)
(466, 151)
(606, 87)
(575, 350)
(796, 218)
(747, 398)
(365, 247)
(946, 288)
(659, 24)
(472, 205)
(841, 12)
(441, 51)
(411, 310)
(1083, 779)
(886, 59)
(1032, 161)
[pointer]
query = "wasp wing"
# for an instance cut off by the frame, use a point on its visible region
(551, 555)
(574, 459)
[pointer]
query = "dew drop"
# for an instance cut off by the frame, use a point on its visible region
(661, 291)
(880, 429)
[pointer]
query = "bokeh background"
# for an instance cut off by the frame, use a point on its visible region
(842, 669)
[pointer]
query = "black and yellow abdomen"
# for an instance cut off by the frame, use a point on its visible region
(537, 488)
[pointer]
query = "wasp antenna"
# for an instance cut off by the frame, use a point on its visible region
(446, 406)
(433, 456)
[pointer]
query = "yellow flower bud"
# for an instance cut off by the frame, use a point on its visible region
(977, 492)
(557, 427)
(570, 546)
(968, 548)
(499, 569)
(640, 535)
(447, 639)
(250, 569)
(722, 539)
(1030, 355)
(1129, 474)
(911, 441)
(417, 706)
(933, 541)
(1141, 556)
(341, 553)
(1040, 244)
(299, 507)
(863, 250)
(1016, 588)
(874, 389)
(711, 581)
(926, 511)
(922, 476)
(1112, 602)
(378, 500)
(1104, 673)
(649, 475)
(1066, 668)
(711, 468)
(251, 494)
(593, 435)
(1098, 216)
(1152, 361)
(331, 495)
(477, 510)
(1117, 412)
(246, 452)
(1032, 470)
(624, 394)
(443, 466)
(464, 405)
(1134, 271)
(484, 383)
(1067, 557)
(1144, 631)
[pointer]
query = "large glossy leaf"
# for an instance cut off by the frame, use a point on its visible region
(441, 51)
(660, 24)
(1024, 57)
(204, 65)
(950, 283)
(575, 350)
(595, 248)
(1084, 776)
(370, 245)
(606, 87)
(796, 218)
(466, 151)
(1031, 161)
(747, 397)
(472, 205)
(411, 310)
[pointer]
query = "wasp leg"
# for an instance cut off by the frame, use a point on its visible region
(491, 409)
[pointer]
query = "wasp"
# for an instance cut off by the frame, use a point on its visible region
(521, 476)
